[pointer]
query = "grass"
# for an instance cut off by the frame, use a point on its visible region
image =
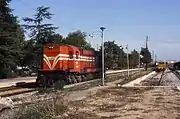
(108, 79)
(139, 118)
(127, 90)
(159, 98)
(176, 90)
(42, 90)
(109, 107)
(134, 109)
(133, 77)
(51, 109)
(42, 110)
(59, 84)
(111, 117)
(84, 86)
(82, 115)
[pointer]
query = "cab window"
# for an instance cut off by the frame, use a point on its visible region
(77, 54)
(70, 54)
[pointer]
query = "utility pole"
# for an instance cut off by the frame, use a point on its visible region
(146, 51)
(139, 61)
(153, 56)
(127, 59)
(126, 47)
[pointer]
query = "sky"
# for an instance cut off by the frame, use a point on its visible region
(126, 21)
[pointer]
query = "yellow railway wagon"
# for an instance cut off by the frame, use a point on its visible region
(161, 66)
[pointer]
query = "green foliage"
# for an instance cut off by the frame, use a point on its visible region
(114, 55)
(116, 58)
(146, 55)
(77, 38)
(15, 51)
(42, 90)
(134, 59)
(43, 110)
(40, 33)
(12, 39)
(57, 38)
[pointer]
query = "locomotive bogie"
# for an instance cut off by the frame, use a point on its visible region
(48, 79)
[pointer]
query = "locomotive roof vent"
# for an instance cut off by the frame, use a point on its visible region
(51, 47)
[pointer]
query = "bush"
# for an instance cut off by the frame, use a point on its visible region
(8, 74)
(46, 110)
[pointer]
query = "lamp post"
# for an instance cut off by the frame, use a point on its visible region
(126, 47)
(102, 43)
(140, 56)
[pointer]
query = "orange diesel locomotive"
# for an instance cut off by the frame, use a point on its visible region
(67, 64)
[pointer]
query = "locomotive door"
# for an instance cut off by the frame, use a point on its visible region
(77, 62)
(70, 61)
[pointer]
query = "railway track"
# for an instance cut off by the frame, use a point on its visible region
(166, 78)
(155, 80)
(161, 78)
(15, 90)
(10, 91)
(176, 73)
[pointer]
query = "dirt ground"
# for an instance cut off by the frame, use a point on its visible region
(115, 102)
(127, 103)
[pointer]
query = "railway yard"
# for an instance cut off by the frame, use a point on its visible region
(96, 60)
(146, 94)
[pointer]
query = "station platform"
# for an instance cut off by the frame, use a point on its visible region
(13, 81)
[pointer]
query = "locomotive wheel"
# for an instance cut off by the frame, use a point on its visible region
(59, 84)
(69, 79)
(79, 78)
(50, 82)
(73, 79)
(42, 81)
(83, 77)
(89, 76)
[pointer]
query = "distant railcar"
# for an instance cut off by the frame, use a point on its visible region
(161, 66)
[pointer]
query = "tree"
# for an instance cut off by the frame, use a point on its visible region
(114, 55)
(78, 39)
(146, 55)
(134, 59)
(57, 38)
(39, 33)
(11, 40)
